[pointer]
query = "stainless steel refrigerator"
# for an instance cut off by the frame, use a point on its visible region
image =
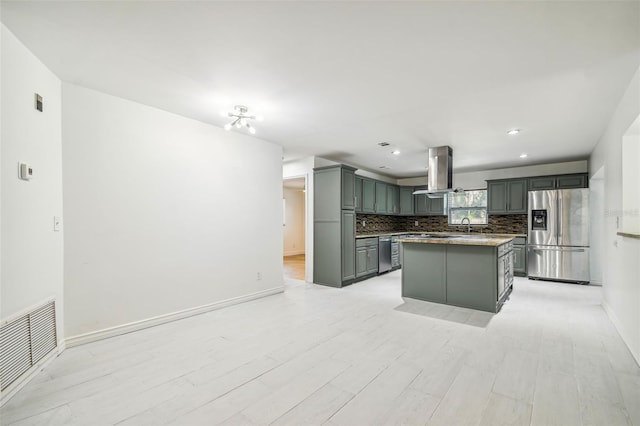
(558, 243)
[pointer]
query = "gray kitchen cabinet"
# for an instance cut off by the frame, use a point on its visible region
(393, 199)
(425, 206)
(334, 226)
(520, 256)
(381, 198)
(406, 201)
(348, 237)
(420, 202)
(469, 276)
(570, 181)
(423, 272)
(366, 257)
(436, 206)
(348, 188)
(361, 262)
(358, 192)
(372, 259)
(507, 196)
(368, 195)
(542, 183)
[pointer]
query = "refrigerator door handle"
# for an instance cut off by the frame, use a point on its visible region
(576, 250)
(559, 217)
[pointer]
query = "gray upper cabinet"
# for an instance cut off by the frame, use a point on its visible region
(578, 180)
(393, 199)
(381, 198)
(348, 188)
(436, 206)
(358, 191)
(425, 206)
(420, 202)
(572, 181)
(542, 183)
(406, 201)
(368, 195)
(507, 196)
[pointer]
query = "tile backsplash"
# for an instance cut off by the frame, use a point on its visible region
(374, 224)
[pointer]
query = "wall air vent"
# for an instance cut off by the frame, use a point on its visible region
(24, 341)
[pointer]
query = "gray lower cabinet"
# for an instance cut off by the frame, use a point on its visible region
(348, 237)
(366, 257)
(461, 275)
(423, 272)
(520, 256)
(334, 262)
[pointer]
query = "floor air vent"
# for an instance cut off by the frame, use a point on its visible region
(24, 341)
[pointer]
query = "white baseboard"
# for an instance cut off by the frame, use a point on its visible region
(81, 339)
(618, 325)
(22, 381)
(293, 252)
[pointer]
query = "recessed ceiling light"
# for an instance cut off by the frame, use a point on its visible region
(395, 152)
(384, 144)
(513, 131)
(523, 155)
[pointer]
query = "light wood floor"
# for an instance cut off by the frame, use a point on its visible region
(293, 266)
(353, 356)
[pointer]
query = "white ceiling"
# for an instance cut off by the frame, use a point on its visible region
(334, 79)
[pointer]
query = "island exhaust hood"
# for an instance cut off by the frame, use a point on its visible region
(439, 175)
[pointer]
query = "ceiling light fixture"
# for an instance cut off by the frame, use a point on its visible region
(523, 155)
(240, 118)
(513, 131)
(384, 143)
(395, 152)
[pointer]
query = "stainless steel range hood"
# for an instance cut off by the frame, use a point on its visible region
(439, 175)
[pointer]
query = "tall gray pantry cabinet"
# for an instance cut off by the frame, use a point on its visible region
(334, 225)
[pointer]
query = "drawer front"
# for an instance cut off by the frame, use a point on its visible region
(366, 242)
(519, 241)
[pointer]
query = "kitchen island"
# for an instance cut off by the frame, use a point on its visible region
(462, 270)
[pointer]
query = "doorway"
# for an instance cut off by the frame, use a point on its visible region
(293, 234)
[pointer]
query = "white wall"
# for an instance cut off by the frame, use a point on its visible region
(597, 215)
(621, 266)
(163, 213)
(631, 178)
(294, 229)
(477, 180)
(32, 253)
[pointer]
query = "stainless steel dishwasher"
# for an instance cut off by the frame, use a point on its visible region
(384, 254)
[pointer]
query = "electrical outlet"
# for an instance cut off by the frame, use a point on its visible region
(416, 223)
(364, 223)
(259, 276)
(57, 223)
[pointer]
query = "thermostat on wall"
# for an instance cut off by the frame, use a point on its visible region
(26, 171)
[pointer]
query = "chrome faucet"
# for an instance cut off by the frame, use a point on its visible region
(468, 223)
